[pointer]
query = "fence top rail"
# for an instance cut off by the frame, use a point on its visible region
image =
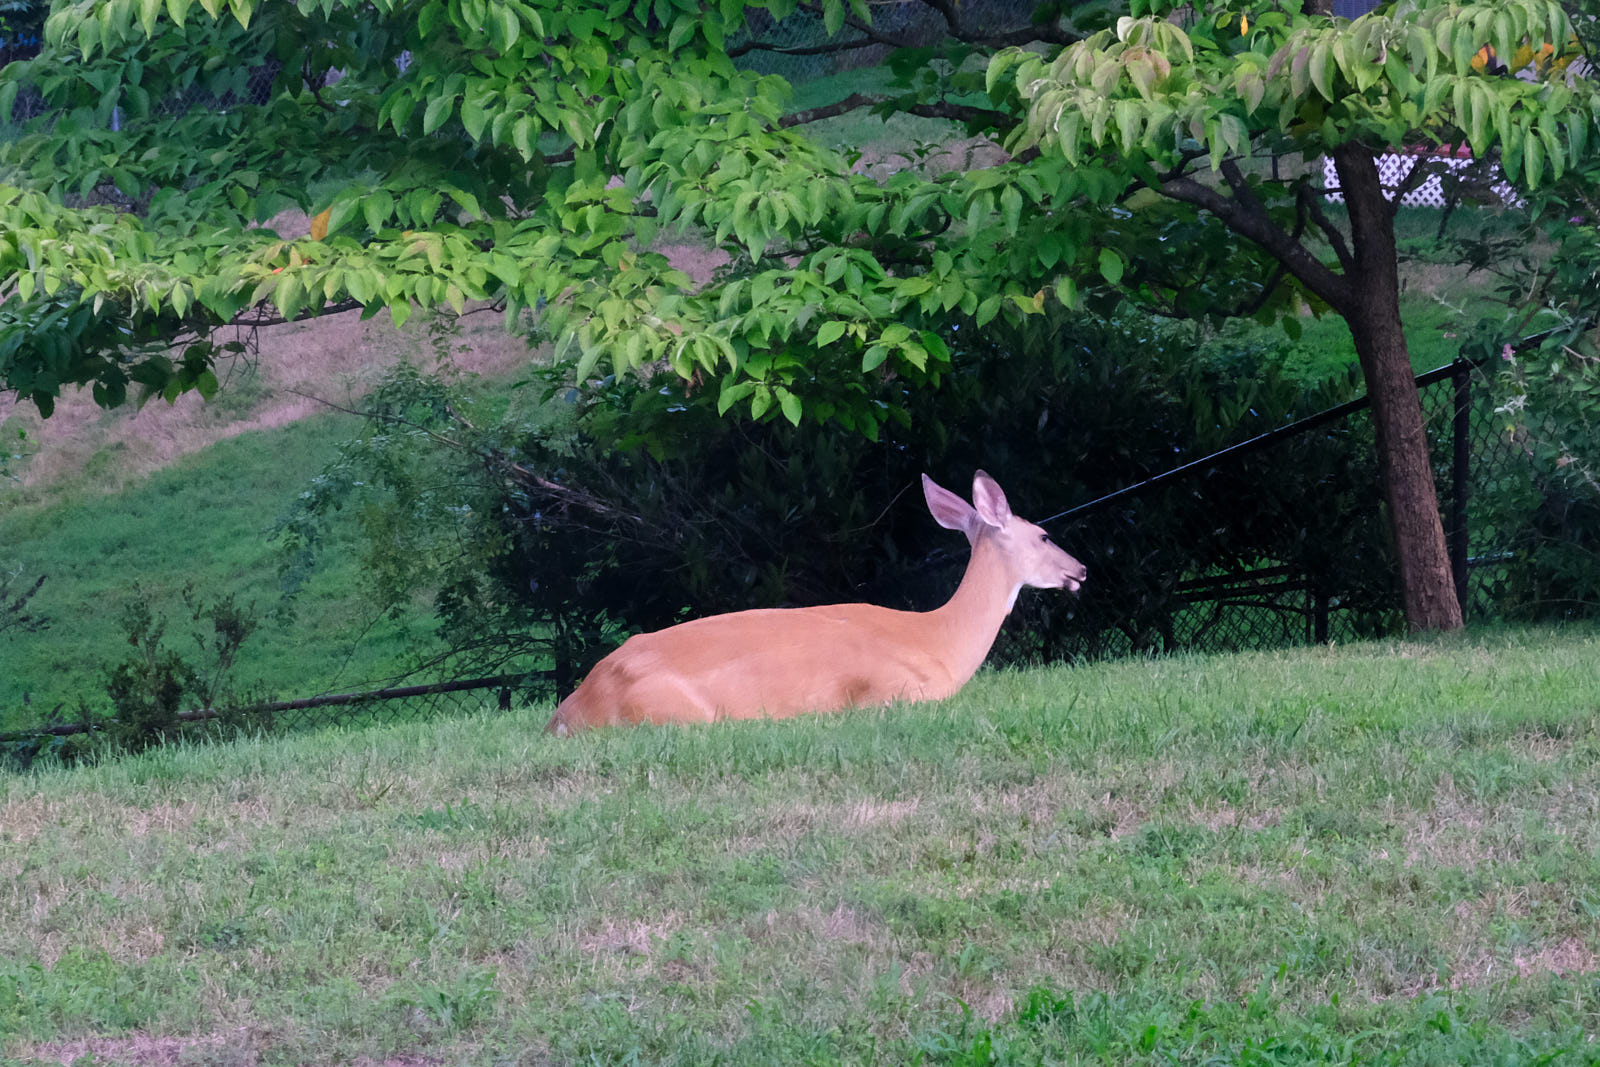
(1254, 444)
(1459, 365)
(458, 685)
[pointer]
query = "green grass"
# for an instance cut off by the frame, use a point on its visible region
(205, 520)
(1439, 303)
(1383, 852)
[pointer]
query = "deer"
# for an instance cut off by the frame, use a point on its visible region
(780, 662)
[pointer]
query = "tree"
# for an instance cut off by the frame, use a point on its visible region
(1165, 98)
(496, 151)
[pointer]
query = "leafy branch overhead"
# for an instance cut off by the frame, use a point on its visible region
(1164, 97)
(502, 152)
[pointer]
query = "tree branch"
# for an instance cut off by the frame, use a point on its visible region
(805, 50)
(259, 316)
(1310, 205)
(976, 116)
(1052, 33)
(1419, 173)
(1248, 219)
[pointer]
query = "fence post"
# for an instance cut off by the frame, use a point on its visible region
(1460, 478)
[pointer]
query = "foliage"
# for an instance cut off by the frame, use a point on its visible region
(18, 17)
(554, 536)
(455, 1006)
(510, 160)
(1547, 400)
(1151, 86)
(155, 685)
(1546, 394)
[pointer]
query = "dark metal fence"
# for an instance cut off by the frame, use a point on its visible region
(372, 707)
(1277, 541)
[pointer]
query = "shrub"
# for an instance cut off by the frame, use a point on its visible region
(544, 536)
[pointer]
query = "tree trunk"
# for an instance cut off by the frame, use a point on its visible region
(1426, 584)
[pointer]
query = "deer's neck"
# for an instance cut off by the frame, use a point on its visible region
(969, 622)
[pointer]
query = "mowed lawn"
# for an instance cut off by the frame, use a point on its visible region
(1375, 853)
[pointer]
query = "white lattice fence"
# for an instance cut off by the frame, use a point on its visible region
(1393, 167)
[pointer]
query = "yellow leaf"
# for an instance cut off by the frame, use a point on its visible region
(319, 224)
(1244, 25)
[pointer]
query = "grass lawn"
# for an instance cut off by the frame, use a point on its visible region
(1382, 852)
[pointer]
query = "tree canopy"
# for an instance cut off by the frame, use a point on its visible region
(533, 154)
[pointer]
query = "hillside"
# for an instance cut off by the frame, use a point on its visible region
(132, 505)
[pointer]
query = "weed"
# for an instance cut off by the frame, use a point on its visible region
(457, 1005)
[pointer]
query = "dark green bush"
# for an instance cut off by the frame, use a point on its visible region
(543, 537)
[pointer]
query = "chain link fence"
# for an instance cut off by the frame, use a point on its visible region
(1282, 540)
(19, 749)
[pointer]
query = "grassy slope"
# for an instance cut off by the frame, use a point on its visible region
(1380, 850)
(204, 520)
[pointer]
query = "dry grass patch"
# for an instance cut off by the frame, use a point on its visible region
(294, 367)
(841, 925)
(1224, 816)
(24, 818)
(634, 937)
(875, 812)
(151, 1050)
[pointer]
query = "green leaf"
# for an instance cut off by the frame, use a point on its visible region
(1532, 158)
(474, 117)
(760, 401)
(287, 297)
(988, 310)
(732, 394)
(1011, 208)
(510, 28)
(832, 17)
(873, 358)
(206, 385)
(791, 406)
(1111, 265)
(522, 136)
(830, 332)
(439, 109)
(1299, 72)
(587, 362)
(934, 345)
(378, 209)
(682, 30)
(1319, 70)
(1067, 292)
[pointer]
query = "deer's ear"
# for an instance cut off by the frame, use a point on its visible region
(989, 502)
(949, 510)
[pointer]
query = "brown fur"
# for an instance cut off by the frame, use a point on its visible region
(778, 662)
